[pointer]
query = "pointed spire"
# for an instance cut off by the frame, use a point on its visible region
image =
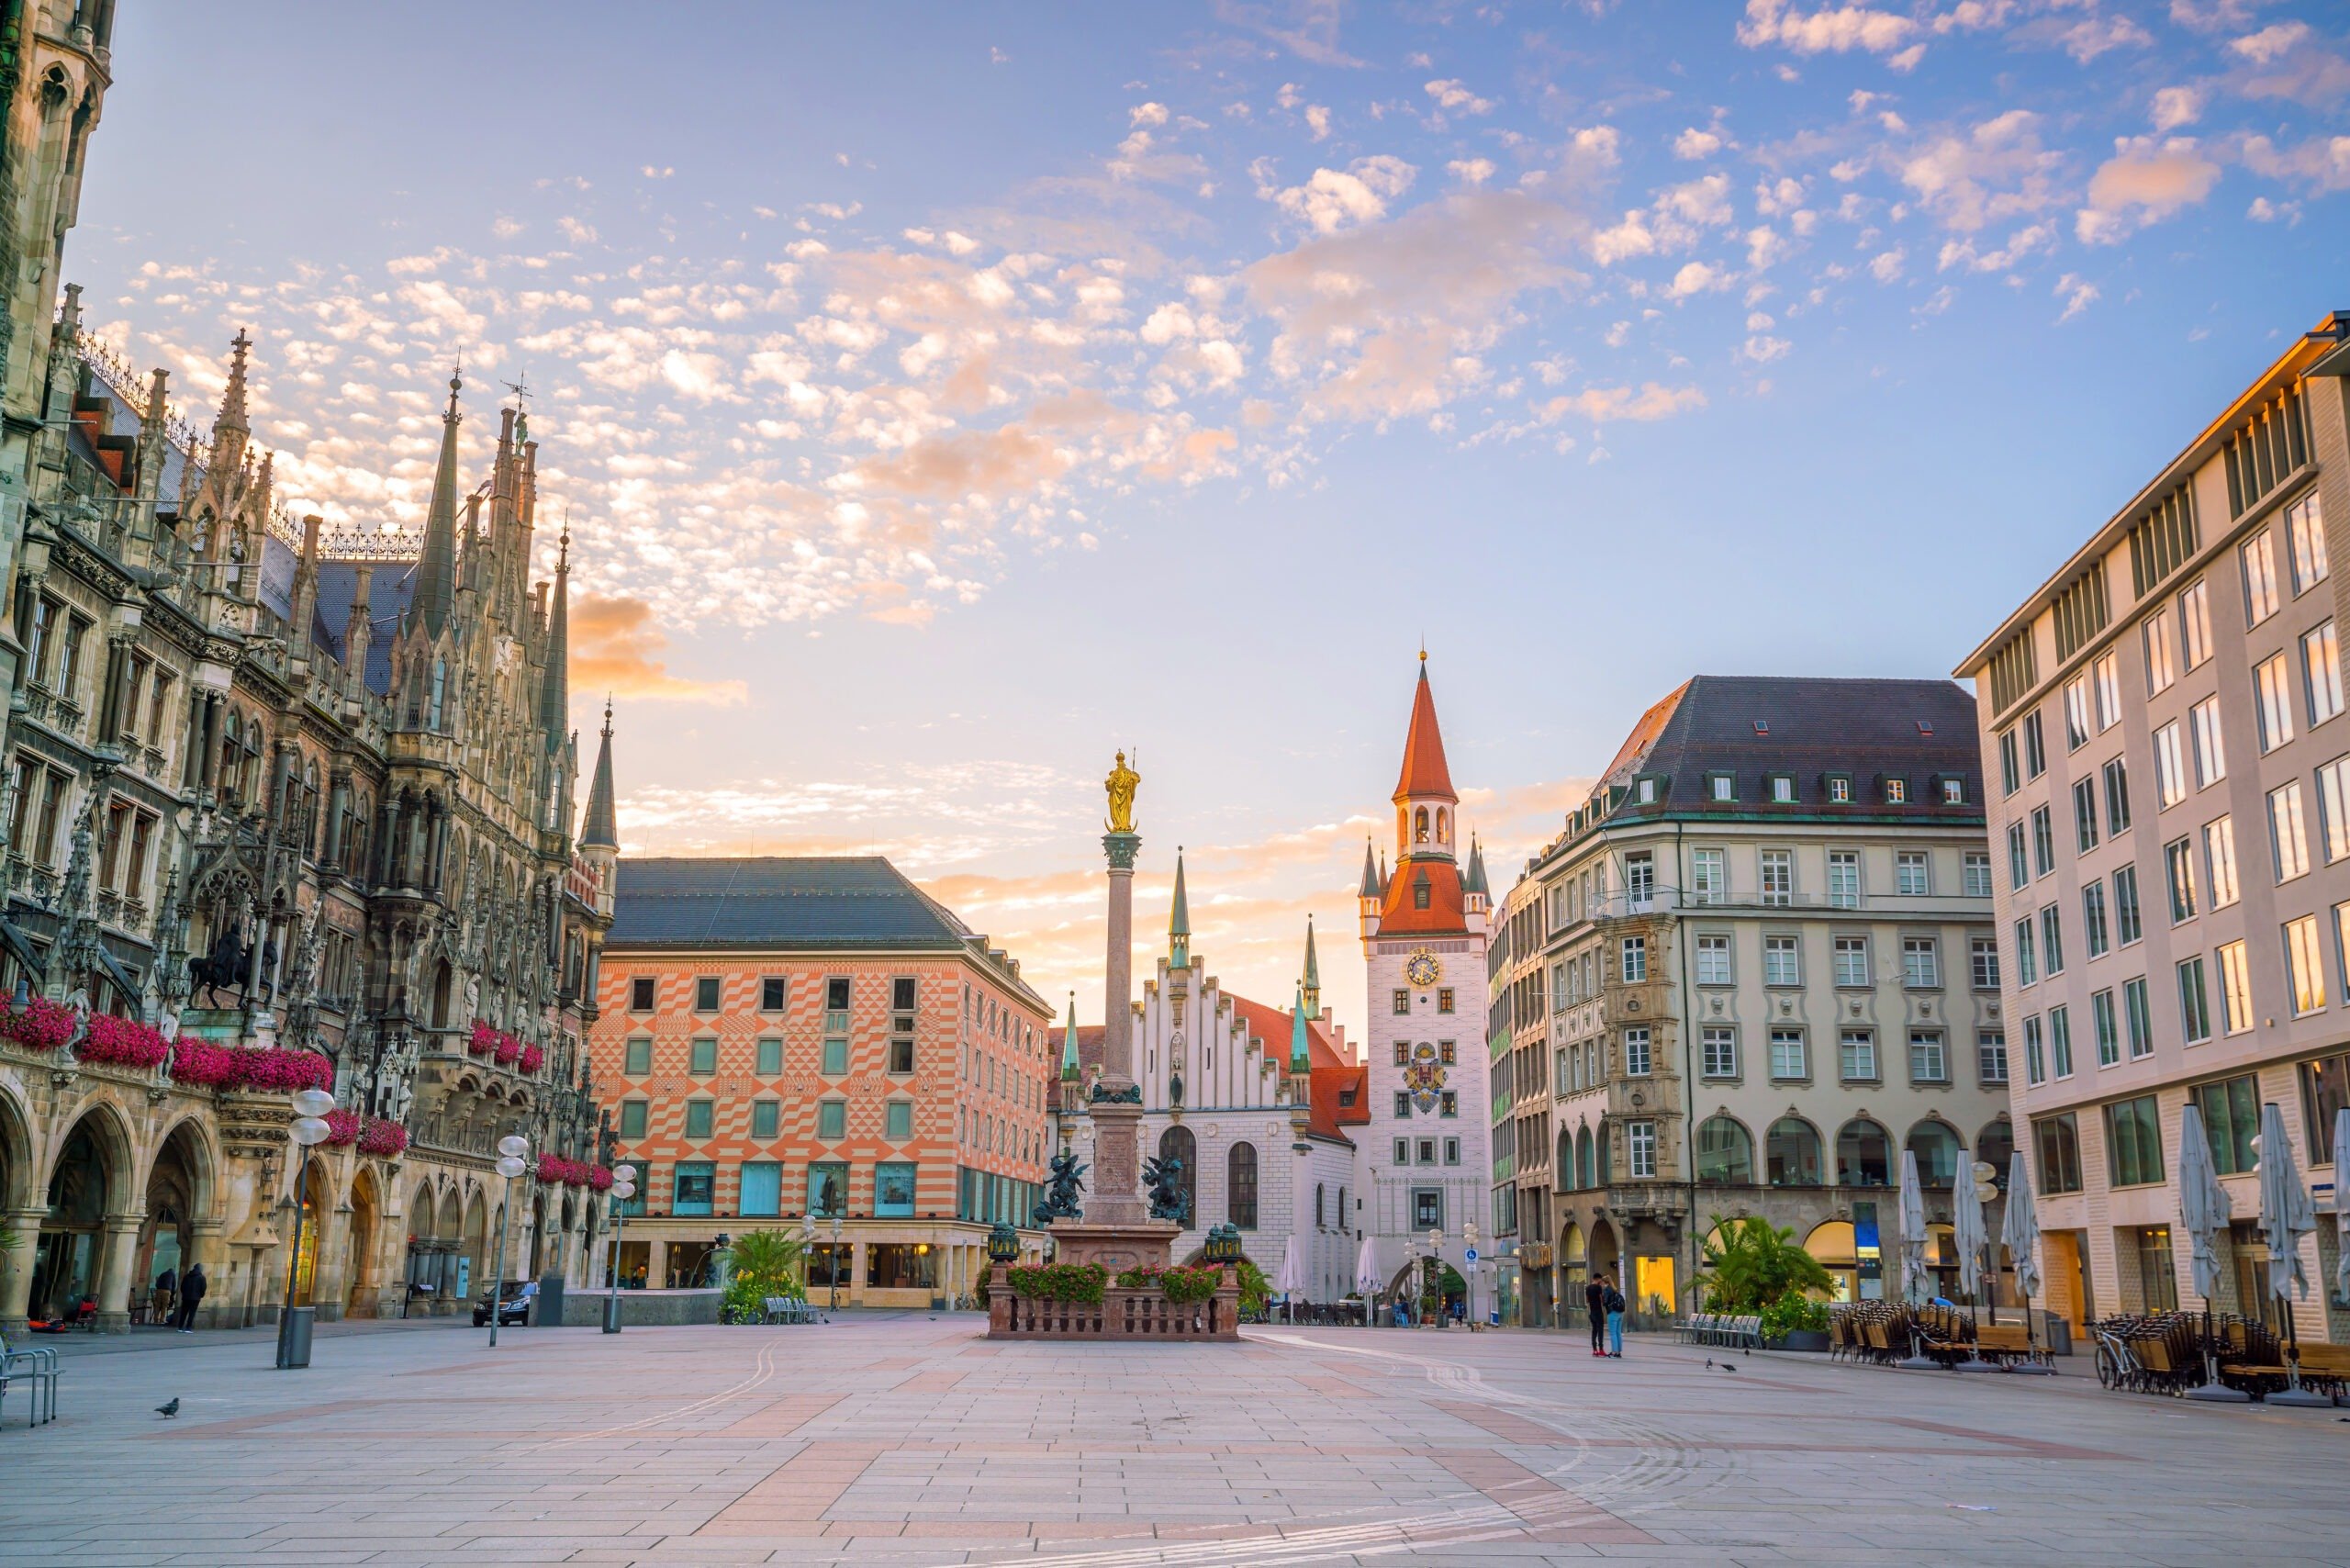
(1425, 773)
(1475, 882)
(1301, 1056)
(1374, 884)
(601, 831)
(1313, 973)
(232, 397)
(554, 684)
(1179, 919)
(436, 581)
(1069, 1044)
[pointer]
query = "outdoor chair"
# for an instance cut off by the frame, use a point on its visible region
(36, 1368)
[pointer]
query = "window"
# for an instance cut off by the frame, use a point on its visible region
(2035, 1056)
(2052, 941)
(2286, 836)
(761, 1190)
(770, 1059)
(832, 1119)
(1921, 963)
(639, 993)
(2231, 1112)
(1635, 964)
(2027, 963)
(1725, 1152)
(836, 1026)
(2043, 842)
(2170, 767)
(902, 1023)
(2018, 860)
(2060, 1040)
(2321, 673)
(1403, 1151)
(1856, 1056)
(1399, 1002)
(767, 1118)
(2108, 1028)
(1929, 1062)
(2195, 623)
(1403, 1053)
(637, 1058)
(1636, 1053)
(2035, 754)
(1910, 874)
(2235, 989)
(2127, 926)
(1426, 1150)
(1639, 1144)
(700, 1113)
(1783, 789)
(1240, 1187)
(2161, 652)
(632, 1118)
(1451, 1146)
(2010, 772)
(706, 987)
(2076, 712)
(1781, 963)
(1976, 876)
(1449, 1104)
(1788, 1059)
(2133, 1142)
(1991, 1056)
(2194, 1002)
(893, 1191)
(2057, 1140)
(1840, 785)
(2178, 866)
(897, 1121)
(2259, 553)
(1723, 787)
(2305, 542)
(691, 1188)
(1713, 960)
(2325, 1088)
(2138, 1016)
(1778, 876)
(2083, 816)
(1983, 963)
(828, 1188)
(2211, 754)
(1852, 960)
(1639, 882)
(2092, 932)
(1403, 1103)
(1863, 1155)
(2272, 689)
(2107, 673)
(773, 993)
(2304, 965)
(1843, 879)
(1897, 792)
(1954, 791)
(1444, 999)
(1708, 877)
(703, 1062)
(1718, 1050)
(2220, 860)
(2117, 796)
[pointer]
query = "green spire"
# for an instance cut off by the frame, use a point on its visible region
(436, 578)
(1313, 973)
(1179, 922)
(1300, 1059)
(1069, 1044)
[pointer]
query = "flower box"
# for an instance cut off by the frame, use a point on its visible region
(42, 1025)
(123, 1042)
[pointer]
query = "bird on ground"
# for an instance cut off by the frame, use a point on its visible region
(1726, 1366)
(169, 1410)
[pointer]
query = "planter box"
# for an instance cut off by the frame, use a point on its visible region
(1800, 1339)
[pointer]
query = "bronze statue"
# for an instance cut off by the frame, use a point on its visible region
(1164, 1177)
(1120, 786)
(1060, 1198)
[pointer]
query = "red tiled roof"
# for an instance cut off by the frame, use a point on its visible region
(1423, 770)
(1331, 1073)
(1444, 914)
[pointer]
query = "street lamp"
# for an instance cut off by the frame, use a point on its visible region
(623, 1188)
(309, 1129)
(513, 1157)
(1435, 1280)
(833, 1204)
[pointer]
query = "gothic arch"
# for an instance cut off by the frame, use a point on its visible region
(110, 1130)
(17, 1164)
(199, 1151)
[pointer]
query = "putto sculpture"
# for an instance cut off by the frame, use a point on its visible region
(1163, 1177)
(1060, 1201)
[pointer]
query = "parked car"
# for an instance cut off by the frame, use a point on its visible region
(513, 1303)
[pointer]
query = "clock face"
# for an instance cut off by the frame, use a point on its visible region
(1421, 968)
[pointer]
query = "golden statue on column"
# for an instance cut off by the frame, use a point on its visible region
(1120, 786)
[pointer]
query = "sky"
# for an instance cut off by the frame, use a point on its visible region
(943, 397)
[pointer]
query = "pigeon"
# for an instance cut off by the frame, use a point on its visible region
(1726, 1366)
(169, 1410)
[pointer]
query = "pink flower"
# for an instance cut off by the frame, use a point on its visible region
(508, 1048)
(43, 1026)
(123, 1042)
(377, 1137)
(342, 1128)
(600, 1178)
(483, 1040)
(533, 1058)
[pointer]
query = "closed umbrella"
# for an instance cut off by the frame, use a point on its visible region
(1292, 1282)
(1913, 1254)
(1367, 1278)
(2203, 1211)
(2285, 1215)
(1969, 1237)
(2020, 1231)
(2342, 1202)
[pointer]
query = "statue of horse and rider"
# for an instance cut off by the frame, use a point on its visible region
(227, 967)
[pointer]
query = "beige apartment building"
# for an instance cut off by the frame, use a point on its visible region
(1762, 959)
(2170, 809)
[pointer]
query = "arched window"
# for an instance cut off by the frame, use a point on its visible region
(232, 745)
(1420, 825)
(1240, 1184)
(1863, 1155)
(1342, 1210)
(1178, 1144)
(1725, 1152)
(1583, 1158)
(1791, 1152)
(1996, 1148)
(1566, 1167)
(1321, 1211)
(1600, 1172)
(1936, 1148)
(1443, 825)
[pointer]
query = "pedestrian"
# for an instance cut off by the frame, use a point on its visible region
(1594, 1296)
(1614, 1305)
(161, 1303)
(192, 1289)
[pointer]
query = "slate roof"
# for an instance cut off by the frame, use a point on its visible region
(850, 902)
(387, 594)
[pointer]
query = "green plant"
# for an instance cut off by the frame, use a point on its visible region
(1062, 1281)
(1793, 1312)
(1256, 1293)
(1176, 1283)
(763, 1264)
(1752, 1263)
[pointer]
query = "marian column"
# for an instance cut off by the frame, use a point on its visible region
(1116, 1104)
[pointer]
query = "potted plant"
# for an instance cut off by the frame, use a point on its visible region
(1755, 1267)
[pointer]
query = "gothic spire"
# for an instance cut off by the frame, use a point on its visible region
(436, 581)
(1374, 886)
(1423, 772)
(1179, 919)
(1069, 1044)
(1313, 973)
(232, 397)
(554, 684)
(1476, 881)
(601, 831)
(1300, 1057)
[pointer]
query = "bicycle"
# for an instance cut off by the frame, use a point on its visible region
(2117, 1367)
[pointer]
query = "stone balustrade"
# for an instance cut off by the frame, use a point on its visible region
(1119, 1314)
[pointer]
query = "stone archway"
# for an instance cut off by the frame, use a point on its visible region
(179, 1194)
(475, 1245)
(1605, 1253)
(361, 1284)
(89, 1229)
(21, 1208)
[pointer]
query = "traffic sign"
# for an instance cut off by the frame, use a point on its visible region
(1472, 1254)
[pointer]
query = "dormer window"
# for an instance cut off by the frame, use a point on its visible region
(1840, 789)
(1954, 791)
(1783, 789)
(1646, 791)
(1897, 792)
(1721, 788)
(1420, 892)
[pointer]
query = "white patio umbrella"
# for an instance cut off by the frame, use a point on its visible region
(2285, 1215)
(2020, 1231)
(1968, 1235)
(1913, 1253)
(1292, 1282)
(1366, 1276)
(2203, 1211)
(2342, 1202)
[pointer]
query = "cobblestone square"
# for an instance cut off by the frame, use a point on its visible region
(910, 1439)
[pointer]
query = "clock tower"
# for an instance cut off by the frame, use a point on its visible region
(1424, 1162)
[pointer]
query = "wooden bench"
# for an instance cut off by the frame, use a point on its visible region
(1993, 1340)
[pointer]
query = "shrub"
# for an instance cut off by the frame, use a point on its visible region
(763, 1264)
(1755, 1263)
(1062, 1281)
(1176, 1284)
(1793, 1312)
(1256, 1293)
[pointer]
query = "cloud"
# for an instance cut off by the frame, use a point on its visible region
(2320, 164)
(1334, 198)
(1307, 28)
(1470, 171)
(615, 648)
(1996, 169)
(1693, 144)
(1836, 29)
(1453, 95)
(2143, 183)
(2078, 296)
(1886, 267)
(2272, 43)
(2176, 107)
(1608, 405)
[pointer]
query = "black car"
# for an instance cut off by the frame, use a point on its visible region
(513, 1305)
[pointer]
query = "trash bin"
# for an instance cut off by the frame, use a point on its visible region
(548, 1311)
(294, 1338)
(611, 1313)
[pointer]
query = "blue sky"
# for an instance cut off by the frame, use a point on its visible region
(945, 395)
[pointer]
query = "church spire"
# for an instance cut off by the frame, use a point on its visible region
(1374, 886)
(554, 684)
(601, 831)
(1301, 1056)
(436, 581)
(1179, 919)
(1425, 799)
(1069, 1044)
(229, 431)
(1313, 973)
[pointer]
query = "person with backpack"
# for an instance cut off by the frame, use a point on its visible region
(192, 1285)
(1614, 1305)
(1595, 1297)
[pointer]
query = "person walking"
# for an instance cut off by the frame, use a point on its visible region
(1614, 1305)
(192, 1289)
(1594, 1296)
(162, 1301)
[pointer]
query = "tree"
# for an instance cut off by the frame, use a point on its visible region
(1752, 1263)
(763, 1264)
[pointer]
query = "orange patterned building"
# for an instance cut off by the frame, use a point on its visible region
(815, 1044)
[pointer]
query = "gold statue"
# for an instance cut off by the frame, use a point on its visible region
(1121, 787)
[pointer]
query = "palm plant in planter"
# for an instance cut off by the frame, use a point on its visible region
(1753, 1266)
